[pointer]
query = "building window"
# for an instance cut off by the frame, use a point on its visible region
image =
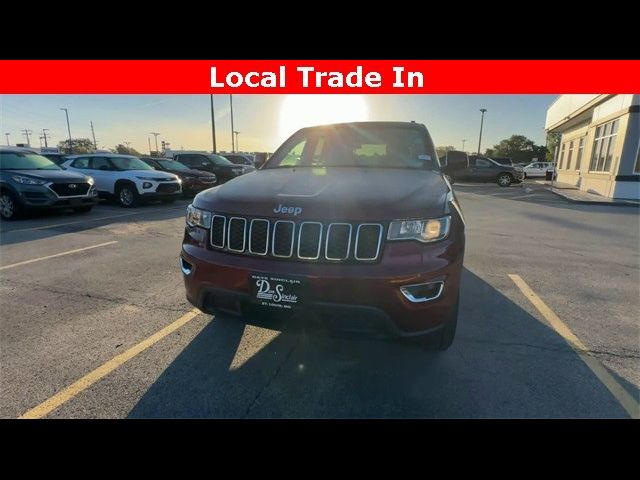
(580, 150)
(603, 147)
(561, 156)
(569, 155)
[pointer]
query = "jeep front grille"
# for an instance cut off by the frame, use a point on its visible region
(303, 241)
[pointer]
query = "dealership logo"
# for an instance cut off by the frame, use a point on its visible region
(265, 292)
(295, 211)
(73, 185)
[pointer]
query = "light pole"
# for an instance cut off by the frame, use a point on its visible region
(155, 134)
(233, 146)
(7, 135)
(236, 144)
(482, 110)
(45, 135)
(149, 140)
(213, 126)
(464, 140)
(66, 112)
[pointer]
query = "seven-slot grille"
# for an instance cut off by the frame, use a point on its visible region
(306, 241)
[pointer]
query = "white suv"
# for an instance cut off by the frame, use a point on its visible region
(538, 169)
(127, 178)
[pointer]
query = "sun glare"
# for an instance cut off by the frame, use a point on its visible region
(300, 111)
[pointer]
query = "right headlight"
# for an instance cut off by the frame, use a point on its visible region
(198, 218)
(427, 230)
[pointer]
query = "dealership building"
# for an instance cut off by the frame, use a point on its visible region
(599, 147)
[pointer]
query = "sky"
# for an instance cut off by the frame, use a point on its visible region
(264, 121)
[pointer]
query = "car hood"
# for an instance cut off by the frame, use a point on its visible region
(152, 174)
(51, 175)
(192, 173)
(349, 194)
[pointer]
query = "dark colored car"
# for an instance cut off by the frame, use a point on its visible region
(193, 181)
(238, 159)
(57, 158)
(483, 169)
(29, 181)
(223, 169)
(351, 226)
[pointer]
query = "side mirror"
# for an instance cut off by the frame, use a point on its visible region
(455, 160)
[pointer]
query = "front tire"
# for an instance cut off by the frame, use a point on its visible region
(127, 195)
(504, 179)
(9, 206)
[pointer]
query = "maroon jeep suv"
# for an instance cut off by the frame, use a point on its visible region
(350, 226)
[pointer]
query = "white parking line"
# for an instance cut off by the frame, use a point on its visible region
(87, 220)
(26, 262)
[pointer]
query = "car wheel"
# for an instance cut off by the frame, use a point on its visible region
(127, 195)
(504, 179)
(9, 207)
(86, 209)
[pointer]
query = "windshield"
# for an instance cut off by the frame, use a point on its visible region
(130, 163)
(370, 146)
(172, 165)
(25, 161)
(218, 160)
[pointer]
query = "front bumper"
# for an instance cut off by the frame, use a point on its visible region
(40, 196)
(346, 297)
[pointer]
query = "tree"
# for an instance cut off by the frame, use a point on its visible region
(124, 150)
(519, 148)
(441, 151)
(553, 139)
(78, 145)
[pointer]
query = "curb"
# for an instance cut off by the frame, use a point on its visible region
(613, 203)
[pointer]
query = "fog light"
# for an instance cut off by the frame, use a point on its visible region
(422, 292)
(147, 185)
(185, 266)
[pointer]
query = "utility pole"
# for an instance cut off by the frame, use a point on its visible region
(66, 112)
(26, 133)
(40, 138)
(233, 145)
(44, 136)
(7, 135)
(93, 133)
(155, 134)
(464, 140)
(236, 144)
(213, 125)
(482, 111)
(149, 140)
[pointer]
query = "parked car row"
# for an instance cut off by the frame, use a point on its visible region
(30, 180)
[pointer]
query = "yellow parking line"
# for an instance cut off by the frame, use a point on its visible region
(627, 401)
(103, 370)
(58, 255)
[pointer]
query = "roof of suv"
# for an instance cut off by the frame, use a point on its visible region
(358, 124)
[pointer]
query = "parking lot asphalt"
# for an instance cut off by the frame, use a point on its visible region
(94, 324)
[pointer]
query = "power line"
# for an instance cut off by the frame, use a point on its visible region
(155, 134)
(26, 133)
(93, 133)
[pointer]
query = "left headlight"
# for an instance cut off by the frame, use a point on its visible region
(428, 230)
(28, 180)
(198, 218)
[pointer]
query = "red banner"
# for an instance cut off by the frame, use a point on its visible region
(319, 76)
